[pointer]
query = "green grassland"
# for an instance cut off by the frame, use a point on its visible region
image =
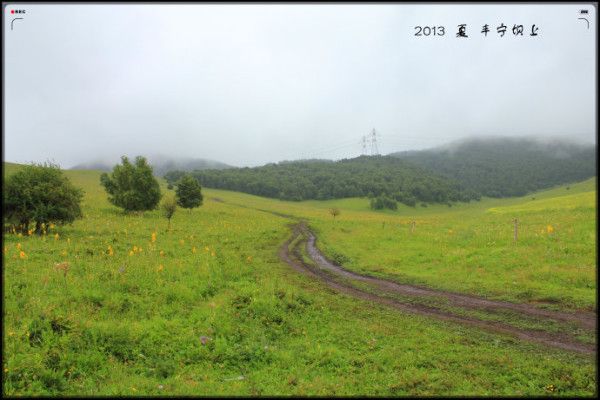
(468, 247)
(127, 316)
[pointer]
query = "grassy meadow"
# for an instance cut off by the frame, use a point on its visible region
(117, 305)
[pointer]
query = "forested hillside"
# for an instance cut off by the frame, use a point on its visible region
(508, 167)
(459, 172)
(322, 180)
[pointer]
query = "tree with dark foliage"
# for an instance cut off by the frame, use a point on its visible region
(40, 194)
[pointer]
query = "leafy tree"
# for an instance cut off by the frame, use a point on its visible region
(132, 187)
(169, 206)
(189, 192)
(173, 176)
(40, 194)
(381, 202)
(334, 212)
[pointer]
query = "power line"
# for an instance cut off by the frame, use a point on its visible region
(328, 150)
(319, 150)
(364, 146)
(368, 144)
(374, 148)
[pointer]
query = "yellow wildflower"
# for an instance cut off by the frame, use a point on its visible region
(18, 246)
(550, 229)
(153, 237)
(160, 267)
(52, 226)
(206, 249)
(131, 252)
(194, 249)
(110, 250)
(22, 255)
(213, 253)
(56, 236)
(135, 249)
(29, 232)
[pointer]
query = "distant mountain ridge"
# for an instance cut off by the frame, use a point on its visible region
(160, 164)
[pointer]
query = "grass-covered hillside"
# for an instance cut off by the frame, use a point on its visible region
(116, 304)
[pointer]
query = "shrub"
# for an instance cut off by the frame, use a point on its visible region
(189, 192)
(132, 187)
(40, 194)
(381, 202)
(169, 206)
(334, 212)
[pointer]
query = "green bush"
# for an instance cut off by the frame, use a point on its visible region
(132, 187)
(40, 194)
(381, 202)
(189, 192)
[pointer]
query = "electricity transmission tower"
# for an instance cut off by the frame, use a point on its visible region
(364, 145)
(372, 140)
(374, 148)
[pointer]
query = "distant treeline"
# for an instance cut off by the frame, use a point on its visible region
(508, 167)
(364, 176)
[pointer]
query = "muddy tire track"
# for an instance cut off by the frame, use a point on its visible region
(585, 320)
(327, 272)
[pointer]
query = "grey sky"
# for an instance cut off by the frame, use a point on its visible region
(250, 84)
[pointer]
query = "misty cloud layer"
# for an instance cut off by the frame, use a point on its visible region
(250, 84)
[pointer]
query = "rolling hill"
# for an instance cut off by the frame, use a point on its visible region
(323, 180)
(505, 167)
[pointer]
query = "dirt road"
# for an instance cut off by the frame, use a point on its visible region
(301, 253)
(302, 244)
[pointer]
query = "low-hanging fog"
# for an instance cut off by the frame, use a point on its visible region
(251, 84)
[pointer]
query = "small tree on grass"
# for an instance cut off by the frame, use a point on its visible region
(334, 212)
(132, 187)
(40, 194)
(189, 192)
(169, 206)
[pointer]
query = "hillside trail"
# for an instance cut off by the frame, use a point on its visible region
(340, 279)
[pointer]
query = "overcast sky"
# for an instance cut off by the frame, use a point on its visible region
(250, 84)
